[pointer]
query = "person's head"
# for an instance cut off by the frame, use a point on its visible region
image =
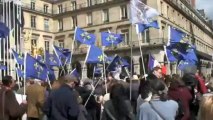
(117, 95)
(70, 80)
(167, 80)
(145, 90)
(8, 81)
(176, 81)
(56, 84)
(110, 76)
(157, 71)
(206, 108)
(158, 88)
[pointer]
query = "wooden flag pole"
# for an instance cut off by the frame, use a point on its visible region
(141, 52)
(104, 69)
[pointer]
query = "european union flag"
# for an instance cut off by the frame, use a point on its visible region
(141, 27)
(84, 37)
(35, 69)
(95, 55)
(190, 55)
(58, 51)
(97, 71)
(4, 30)
(51, 75)
(183, 64)
(67, 57)
(2, 66)
(176, 36)
(51, 59)
(40, 58)
(170, 55)
(114, 63)
(18, 57)
(124, 62)
(75, 73)
(110, 39)
(19, 72)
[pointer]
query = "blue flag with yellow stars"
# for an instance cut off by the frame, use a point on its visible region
(51, 59)
(19, 72)
(2, 66)
(176, 36)
(19, 58)
(84, 37)
(4, 30)
(95, 55)
(111, 39)
(35, 69)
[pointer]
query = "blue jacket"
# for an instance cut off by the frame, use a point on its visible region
(62, 104)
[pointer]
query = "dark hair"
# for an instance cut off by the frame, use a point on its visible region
(176, 81)
(7, 80)
(158, 88)
(117, 95)
(145, 88)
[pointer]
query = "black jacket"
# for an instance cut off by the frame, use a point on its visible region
(62, 104)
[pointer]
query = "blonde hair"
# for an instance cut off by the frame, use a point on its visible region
(206, 108)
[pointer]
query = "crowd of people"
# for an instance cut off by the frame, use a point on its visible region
(152, 97)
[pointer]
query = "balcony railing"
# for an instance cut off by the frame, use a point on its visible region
(79, 6)
(36, 9)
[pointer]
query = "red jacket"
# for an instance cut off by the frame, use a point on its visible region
(183, 94)
(201, 86)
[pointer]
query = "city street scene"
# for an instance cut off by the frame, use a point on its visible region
(106, 60)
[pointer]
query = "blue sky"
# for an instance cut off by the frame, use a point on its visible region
(207, 6)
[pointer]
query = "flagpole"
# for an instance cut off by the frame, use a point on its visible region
(130, 93)
(1, 43)
(141, 52)
(25, 64)
(84, 64)
(91, 93)
(93, 75)
(104, 75)
(48, 80)
(73, 42)
(7, 40)
(168, 43)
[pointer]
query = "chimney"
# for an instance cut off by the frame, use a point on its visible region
(193, 3)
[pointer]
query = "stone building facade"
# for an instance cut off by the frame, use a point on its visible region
(53, 22)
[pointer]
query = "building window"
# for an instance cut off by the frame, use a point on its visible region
(125, 35)
(33, 43)
(89, 19)
(105, 15)
(45, 8)
(74, 21)
(103, 1)
(33, 21)
(32, 5)
(47, 46)
(73, 7)
(123, 12)
(168, 12)
(61, 43)
(60, 9)
(89, 3)
(145, 36)
(46, 24)
(161, 7)
(60, 25)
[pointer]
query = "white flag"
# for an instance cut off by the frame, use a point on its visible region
(141, 13)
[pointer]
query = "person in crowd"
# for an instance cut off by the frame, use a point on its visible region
(201, 83)
(159, 107)
(9, 106)
(167, 80)
(134, 91)
(117, 108)
(206, 106)
(180, 93)
(62, 103)
(35, 98)
(89, 101)
(28, 82)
